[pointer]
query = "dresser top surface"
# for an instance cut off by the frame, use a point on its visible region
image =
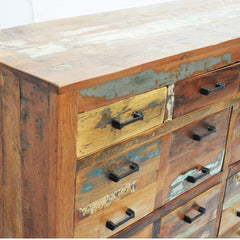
(68, 51)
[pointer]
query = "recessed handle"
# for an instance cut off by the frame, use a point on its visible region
(206, 91)
(136, 117)
(205, 171)
(211, 130)
(134, 167)
(112, 226)
(238, 213)
(190, 220)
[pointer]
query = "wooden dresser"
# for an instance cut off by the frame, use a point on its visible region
(122, 124)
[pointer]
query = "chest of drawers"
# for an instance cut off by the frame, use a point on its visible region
(122, 124)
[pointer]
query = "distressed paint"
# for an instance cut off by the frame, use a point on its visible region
(205, 234)
(108, 199)
(99, 176)
(149, 79)
(180, 185)
(189, 231)
(41, 51)
(170, 102)
(230, 202)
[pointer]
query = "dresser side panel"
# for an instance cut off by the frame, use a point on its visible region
(11, 159)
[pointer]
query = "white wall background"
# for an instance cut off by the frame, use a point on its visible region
(20, 12)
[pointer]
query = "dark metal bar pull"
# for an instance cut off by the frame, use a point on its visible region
(205, 171)
(238, 213)
(190, 220)
(136, 117)
(206, 91)
(134, 167)
(211, 129)
(112, 226)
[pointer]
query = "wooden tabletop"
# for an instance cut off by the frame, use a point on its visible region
(69, 51)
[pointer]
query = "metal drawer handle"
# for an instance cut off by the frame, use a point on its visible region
(206, 91)
(190, 220)
(211, 129)
(238, 213)
(112, 226)
(136, 117)
(134, 167)
(205, 171)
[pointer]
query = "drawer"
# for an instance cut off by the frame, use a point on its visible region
(231, 206)
(177, 224)
(230, 219)
(133, 165)
(146, 232)
(141, 202)
(98, 128)
(235, 153)
(191, 162)
(188, 96)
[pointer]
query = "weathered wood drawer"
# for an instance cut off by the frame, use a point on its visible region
(191, 94)
(191, 162)
(230, 217)
(141, 203)
(191, 218)
(235, 153)
(96, 130)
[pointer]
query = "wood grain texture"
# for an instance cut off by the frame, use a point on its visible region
(116, 212)
(187, 93)
(12, 192)
(38, 154)
(173, 225)
(62, 48)
(66, 166)
(96, 124)
(146, 232)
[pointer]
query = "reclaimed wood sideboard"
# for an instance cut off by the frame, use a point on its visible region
(122, 124)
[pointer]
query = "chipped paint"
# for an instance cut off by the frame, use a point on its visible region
(16, 43)
(205, 234)
(108, 199)
(189, 231)
(41, 51)
(149, 79)
(106, 118)
(170, 102)
(99, 176)
(230, 202)
(180, 185)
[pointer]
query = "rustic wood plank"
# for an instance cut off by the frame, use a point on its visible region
(62, 48)
(38, 153)
(66, 166)
(12, 193)
(96, 124)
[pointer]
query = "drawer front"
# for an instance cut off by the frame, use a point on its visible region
(235, 153)
(133, 163)
(95, 130)
(146, 232)
(230, 218)
(141, 202)
(188, 96)
(174, 226)
(191, 162)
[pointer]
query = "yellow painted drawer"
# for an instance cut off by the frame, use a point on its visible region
(95, 128)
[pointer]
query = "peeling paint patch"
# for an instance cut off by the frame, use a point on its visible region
(149, 79)
(180, 185)
(41, 51)
(108, 199)
(170, 102)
